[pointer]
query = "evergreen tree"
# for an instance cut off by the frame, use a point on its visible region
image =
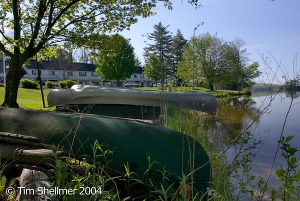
(160, 48)
(178, 45)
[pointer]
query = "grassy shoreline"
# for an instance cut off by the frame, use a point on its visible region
(217, 93)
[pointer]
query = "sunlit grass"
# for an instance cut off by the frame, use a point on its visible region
(217, 93)
(29, 98)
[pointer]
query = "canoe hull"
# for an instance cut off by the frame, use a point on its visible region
(87, 95)
(130, 141)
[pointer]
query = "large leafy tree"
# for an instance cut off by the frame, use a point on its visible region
(115, 59)
(177, 47)
(154, 69)
(34, 24)
(160, 47)
(207, 58)
(189, 68)
(236, 73)
(210, 59)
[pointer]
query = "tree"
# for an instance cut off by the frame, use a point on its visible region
(155, 69)
(161, 49)
(237, 74)
(210, 59)
(206, 53)
(188, 70)
(62, 60)
(177, 48)
(35, 24)
(115, 60)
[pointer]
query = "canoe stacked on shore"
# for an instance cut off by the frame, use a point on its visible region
(130, 141)
(135, 100)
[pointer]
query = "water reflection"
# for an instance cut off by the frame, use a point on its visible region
(231, 119)
(233, 115)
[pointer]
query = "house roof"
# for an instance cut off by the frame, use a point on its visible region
(52, 65)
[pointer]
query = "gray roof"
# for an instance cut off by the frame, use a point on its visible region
(52, 65)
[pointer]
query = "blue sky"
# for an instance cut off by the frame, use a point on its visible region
(265, 26)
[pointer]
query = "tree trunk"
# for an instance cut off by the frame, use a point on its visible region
(14, 75)
(211, 87)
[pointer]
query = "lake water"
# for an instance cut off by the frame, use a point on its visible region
(235, 115)
(269, 128)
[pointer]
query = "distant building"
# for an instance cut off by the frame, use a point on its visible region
(79, 72)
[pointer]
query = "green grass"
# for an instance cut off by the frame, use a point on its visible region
(217, 93)
(29, 98)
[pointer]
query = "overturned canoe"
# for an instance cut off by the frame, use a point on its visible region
(87, 95)
(130, 141)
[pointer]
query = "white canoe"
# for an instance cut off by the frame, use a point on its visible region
(88, 94)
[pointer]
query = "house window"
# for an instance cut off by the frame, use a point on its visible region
(135, 76)
(94, 74)
(70, 73)
(82, 73)
(52, 72)
(34, 72)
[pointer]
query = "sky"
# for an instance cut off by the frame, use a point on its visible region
(269, 29)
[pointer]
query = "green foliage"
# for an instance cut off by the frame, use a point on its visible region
(34, 25)
(178, 44)
(115, 60)
(205, 52)
(154, 69)
(290, 175)
(161, 49)
(62, 84)
(70, 83)
(1, 85)
(215, 62)
(50, 84)
(29, 84)
(189, 70)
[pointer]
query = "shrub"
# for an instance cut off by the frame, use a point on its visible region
(70, 83)
(63, 84)
(50, 84)
(1, 85)
(29, 84)
(246, 92)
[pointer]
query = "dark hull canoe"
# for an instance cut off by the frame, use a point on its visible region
(130, 141)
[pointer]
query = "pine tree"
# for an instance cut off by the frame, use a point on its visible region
(160, 48)
(178, 45)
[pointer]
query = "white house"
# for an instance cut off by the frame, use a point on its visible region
(79, 72)
(55, 71)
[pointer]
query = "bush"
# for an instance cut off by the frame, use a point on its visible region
(246, 92)
(70, 83)
(1, 85)
(50, 84)
(29, 84)
(63, 84)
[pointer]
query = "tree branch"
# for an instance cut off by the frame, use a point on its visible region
(37, 26)
(2, 47)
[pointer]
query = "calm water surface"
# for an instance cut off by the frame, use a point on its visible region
(269, 128)
(235, 115)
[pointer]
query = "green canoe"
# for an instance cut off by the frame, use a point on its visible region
(130, 141)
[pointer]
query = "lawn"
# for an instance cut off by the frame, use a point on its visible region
(217, 93)
(28, 98)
